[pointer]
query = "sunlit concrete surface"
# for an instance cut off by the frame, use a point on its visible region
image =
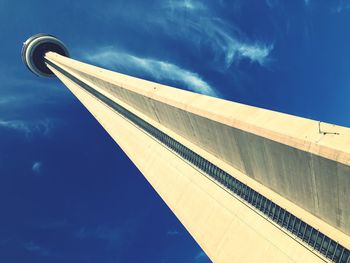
(226, 229)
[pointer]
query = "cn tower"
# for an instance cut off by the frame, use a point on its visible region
(249, 184)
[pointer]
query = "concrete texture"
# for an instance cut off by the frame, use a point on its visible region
(284, 153)
(226, 229)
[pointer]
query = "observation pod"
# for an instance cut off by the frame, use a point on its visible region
(34, 50)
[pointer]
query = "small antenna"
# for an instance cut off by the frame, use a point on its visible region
(325, 132)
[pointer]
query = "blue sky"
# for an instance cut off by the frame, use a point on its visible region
(67, 191)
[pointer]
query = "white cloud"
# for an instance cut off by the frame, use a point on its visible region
(28, 128)
(188, 5)
(199, 26)
(35, 248)
(15, 125)
(255, 53)
(37, 167)
(205, 29)
(341, 7)
(7, 100)
(31, 246)
(224, 44)
(157, 69)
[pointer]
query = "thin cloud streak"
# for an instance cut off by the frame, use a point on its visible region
(341, 7)
(8, 100)
(197, 25)
(225, 45)
(225, 40)
(157, 69)
(35, 248)
(188, 5)
(28, 128)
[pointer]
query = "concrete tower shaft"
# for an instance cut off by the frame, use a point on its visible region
(249, 184)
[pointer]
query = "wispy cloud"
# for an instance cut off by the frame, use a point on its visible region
(7, 100)
(341, 6)
(31, 246)
(37, 167)
(231, 48)
(188, 5)
(255, 53)
(35, 248)
(22, 93)
(29, 128)
(157, 69)
(205, 29)
(25, 100)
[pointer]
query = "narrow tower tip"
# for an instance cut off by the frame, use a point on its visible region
(34, 50)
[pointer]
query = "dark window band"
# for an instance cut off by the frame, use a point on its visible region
(309, 235)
